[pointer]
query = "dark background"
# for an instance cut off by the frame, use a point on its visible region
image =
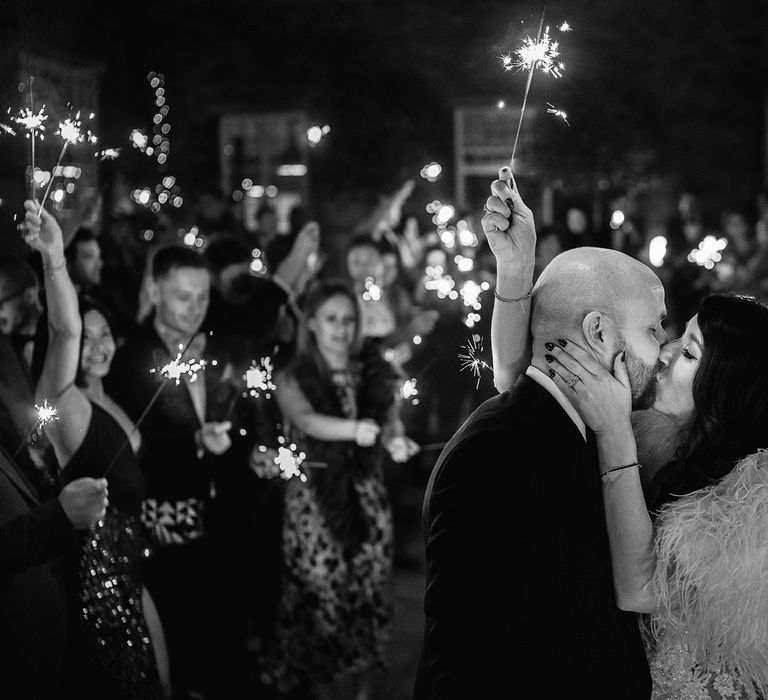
(672, 90)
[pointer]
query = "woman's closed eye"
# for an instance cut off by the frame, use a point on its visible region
(687, 354)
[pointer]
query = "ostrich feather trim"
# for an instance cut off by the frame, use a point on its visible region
(711, 572)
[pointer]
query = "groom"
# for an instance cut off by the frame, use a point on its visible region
(519, 600)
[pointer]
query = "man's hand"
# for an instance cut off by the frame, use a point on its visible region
(262, 462)
(366, 432)
(214, 437)
(42, 232)
(84, 502)
(508, 224)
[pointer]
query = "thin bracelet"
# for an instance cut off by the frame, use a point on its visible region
(618, 469)
(50, 272)
(512, 301)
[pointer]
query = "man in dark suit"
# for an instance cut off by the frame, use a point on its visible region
(519, 599)
(33, 537)
(180, 439)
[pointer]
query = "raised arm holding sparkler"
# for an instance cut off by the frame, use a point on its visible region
(73, 410)
(509, 226)
(88, 438)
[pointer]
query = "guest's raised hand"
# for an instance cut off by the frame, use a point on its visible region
(603, 400)
(308, 239)
(508, 224)
(42, 232)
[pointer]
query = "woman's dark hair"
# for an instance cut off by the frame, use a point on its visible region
(730, 397)
(88, 303)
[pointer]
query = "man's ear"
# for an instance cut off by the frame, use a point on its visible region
(601, 335)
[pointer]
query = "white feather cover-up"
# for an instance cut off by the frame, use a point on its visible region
(710, 636)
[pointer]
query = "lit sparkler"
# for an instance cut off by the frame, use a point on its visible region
(709, 252)
(435, 280)
(409, 390)
(7, 129)
(258, 378)
(71, 132)
(535, 54)
(288, 460)
(470, 293)
(31, 121)
(557, 112)
(471, 360)
(178, 368)
(45, 414)
(108, 154)
(540, 54)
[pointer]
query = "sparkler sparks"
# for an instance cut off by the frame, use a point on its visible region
(7, 129)
(288, 460)
(471, 360)
(45, 414)
(258, 378)
(178, 368)
(557, 112)
(409, 390)
(536, 54)
(470, 293)
(32, 122)
(108, 154)
(565, 27)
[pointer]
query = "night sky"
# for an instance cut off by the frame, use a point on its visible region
(651, 89)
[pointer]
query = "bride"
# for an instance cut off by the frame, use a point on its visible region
(696, 564)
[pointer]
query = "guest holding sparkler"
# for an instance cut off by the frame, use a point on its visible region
(116, 614)
(338, 401)
(179, 442)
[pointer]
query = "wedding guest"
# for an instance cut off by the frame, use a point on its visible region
(179, 441)
(338, 402)
(85, 265)
(20, 307)
(91, 439)
(84, 262)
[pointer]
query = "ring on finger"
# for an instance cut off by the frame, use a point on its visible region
(573, 381)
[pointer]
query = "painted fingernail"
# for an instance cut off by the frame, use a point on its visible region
(549, 346)
(549, 358)
(623, 356)
(562, 343)
(551, 373)
(509, 203)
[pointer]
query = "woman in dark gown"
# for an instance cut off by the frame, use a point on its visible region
(115, 636)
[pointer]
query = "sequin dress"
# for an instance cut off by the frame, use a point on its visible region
(110, 628)
(334, 613)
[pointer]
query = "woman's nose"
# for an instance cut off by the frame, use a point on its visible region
(668, 352)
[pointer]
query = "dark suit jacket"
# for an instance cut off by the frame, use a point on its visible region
(519, 599)
(32, 598)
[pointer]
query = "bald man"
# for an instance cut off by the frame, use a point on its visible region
(519, 600)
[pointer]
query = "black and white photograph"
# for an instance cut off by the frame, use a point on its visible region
(384, 350)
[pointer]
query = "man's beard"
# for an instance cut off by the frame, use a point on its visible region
(642, 380)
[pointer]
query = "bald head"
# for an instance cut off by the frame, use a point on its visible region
(582, 280)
